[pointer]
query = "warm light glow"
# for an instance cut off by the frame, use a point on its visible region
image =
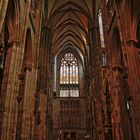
(69, 76)
(85, 41)
(101, 29)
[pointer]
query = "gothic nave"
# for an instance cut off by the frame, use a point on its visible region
(69, 70)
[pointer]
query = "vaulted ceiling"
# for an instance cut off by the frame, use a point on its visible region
(69, 21)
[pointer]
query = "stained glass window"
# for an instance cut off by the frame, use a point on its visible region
(69, 76)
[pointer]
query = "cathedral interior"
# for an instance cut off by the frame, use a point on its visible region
(69, 70)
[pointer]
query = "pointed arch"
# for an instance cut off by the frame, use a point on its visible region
(27, 61)
(12, 17)
(79, 67)
(69, 76)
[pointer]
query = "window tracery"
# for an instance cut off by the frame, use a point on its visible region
(69, 76)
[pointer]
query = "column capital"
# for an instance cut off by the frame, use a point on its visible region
(131, 42)
(27, 66)
(129, 98)
(117, 68)
(16, 39)
(45, 25)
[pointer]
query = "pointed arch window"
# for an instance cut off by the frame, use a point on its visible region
(69, 76)
(100, 20)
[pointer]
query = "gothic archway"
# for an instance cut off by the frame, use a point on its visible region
(78, 63)
(28, 51)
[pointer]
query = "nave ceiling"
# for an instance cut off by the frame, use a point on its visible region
(70, 21)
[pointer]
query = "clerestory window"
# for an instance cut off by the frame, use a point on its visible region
(101, 29)
(69, 76)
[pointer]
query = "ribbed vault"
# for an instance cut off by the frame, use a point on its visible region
(69, 21)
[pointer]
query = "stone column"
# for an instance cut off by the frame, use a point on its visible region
(42, 86)
(9, 91)
(116, 91)
(107, 112)
(120, 122)
(133, 69)
(3, 8)
(36, 116)
(4, 86)
(95, 82)
(20, 101)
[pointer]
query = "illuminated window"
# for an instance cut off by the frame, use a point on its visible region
(104, 63)
(101, 29)
(69, 76)
(106, 1)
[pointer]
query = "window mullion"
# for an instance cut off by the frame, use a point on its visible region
(69, 76)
